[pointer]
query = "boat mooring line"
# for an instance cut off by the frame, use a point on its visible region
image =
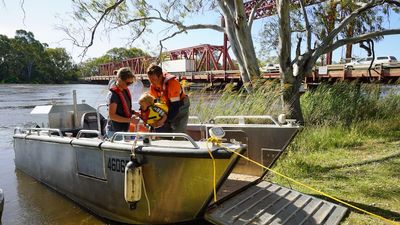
(216, 141)
(214, 173)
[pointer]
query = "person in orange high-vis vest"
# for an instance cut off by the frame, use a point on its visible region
(165, 88)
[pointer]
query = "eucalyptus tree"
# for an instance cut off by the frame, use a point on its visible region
(25, 59)
(5, 52)
(58, 66)
(137, 16)
(293, 69)
(119, 54)
(333, 12)
(28, 53)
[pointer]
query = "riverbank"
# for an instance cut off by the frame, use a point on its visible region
(359, 164)
(349, 147)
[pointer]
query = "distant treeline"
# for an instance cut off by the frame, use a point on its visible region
(23, 59)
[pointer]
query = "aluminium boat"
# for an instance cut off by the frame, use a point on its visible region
(142, 178)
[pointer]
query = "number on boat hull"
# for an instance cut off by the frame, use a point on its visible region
(117, 164)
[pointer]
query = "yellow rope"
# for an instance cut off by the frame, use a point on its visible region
(217, 142)
(214, 173)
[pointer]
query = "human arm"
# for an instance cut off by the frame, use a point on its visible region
(173, 109)
(112, 113)
(174, 96)
(160, 122)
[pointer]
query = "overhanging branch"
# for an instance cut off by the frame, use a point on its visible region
(308, 27)
(352, 40)
(252, 14)
(344, 23)
(103, 15)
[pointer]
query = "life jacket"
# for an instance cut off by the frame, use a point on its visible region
(154, 113)
(125, 107)
(164, 90)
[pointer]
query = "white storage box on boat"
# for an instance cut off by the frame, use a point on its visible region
(59, 116)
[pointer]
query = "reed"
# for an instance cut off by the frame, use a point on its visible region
(265, 100)
(349, 147)
(348, 103)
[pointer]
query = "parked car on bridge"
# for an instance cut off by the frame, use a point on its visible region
(365, 62)
(270, 68)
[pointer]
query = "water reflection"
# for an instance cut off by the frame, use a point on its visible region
(28, 201)
(37, 203)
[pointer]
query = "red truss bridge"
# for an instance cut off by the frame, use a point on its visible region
(211, 63)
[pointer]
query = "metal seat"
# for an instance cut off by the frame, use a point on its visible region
(89, 121)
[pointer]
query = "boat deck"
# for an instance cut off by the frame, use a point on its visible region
(268, 203)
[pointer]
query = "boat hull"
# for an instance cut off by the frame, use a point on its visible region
(265, 142)
(178, 180)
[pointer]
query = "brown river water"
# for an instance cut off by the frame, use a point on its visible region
(28, 201)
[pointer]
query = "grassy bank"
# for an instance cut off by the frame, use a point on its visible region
(349, 148)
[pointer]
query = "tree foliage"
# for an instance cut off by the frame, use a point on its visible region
(293, 69)
(23, 59)
(137, 15)
(324, 17)
(90, 66)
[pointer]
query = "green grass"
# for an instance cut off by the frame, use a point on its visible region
(365, 172)
(349, 148)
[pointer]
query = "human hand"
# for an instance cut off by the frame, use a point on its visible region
(157, 124)
(134, 119)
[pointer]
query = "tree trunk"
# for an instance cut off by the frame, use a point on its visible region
(330, 26)
(239, 35)
(349, 52)
(291, 97)
(290, 84)
(349, 47)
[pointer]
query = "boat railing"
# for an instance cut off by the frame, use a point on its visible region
(98, 118)
(98, 133)
(242, 119)
(49, 131)
(18, 129)
(149, 135)
(195, 118)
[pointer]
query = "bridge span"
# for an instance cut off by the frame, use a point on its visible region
(336, 72)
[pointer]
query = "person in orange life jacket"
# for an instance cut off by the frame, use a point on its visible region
(165, 88)
(152, 113)
(119, 103)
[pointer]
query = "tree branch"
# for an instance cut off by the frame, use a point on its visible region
(394, 2)
(170, 7)
(352, 40)
(103, 15)
(308, 27)
(179, 25)
(239, 11)
(164, 39)
(21, 4)
(252, 14)
(226, 9)
(298, 48)
(366, 6)
(347, 20)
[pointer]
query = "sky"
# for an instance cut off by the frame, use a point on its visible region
(42, 17)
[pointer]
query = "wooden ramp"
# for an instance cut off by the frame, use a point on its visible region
(268, 203)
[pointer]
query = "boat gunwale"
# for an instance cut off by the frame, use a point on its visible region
(153, 150)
